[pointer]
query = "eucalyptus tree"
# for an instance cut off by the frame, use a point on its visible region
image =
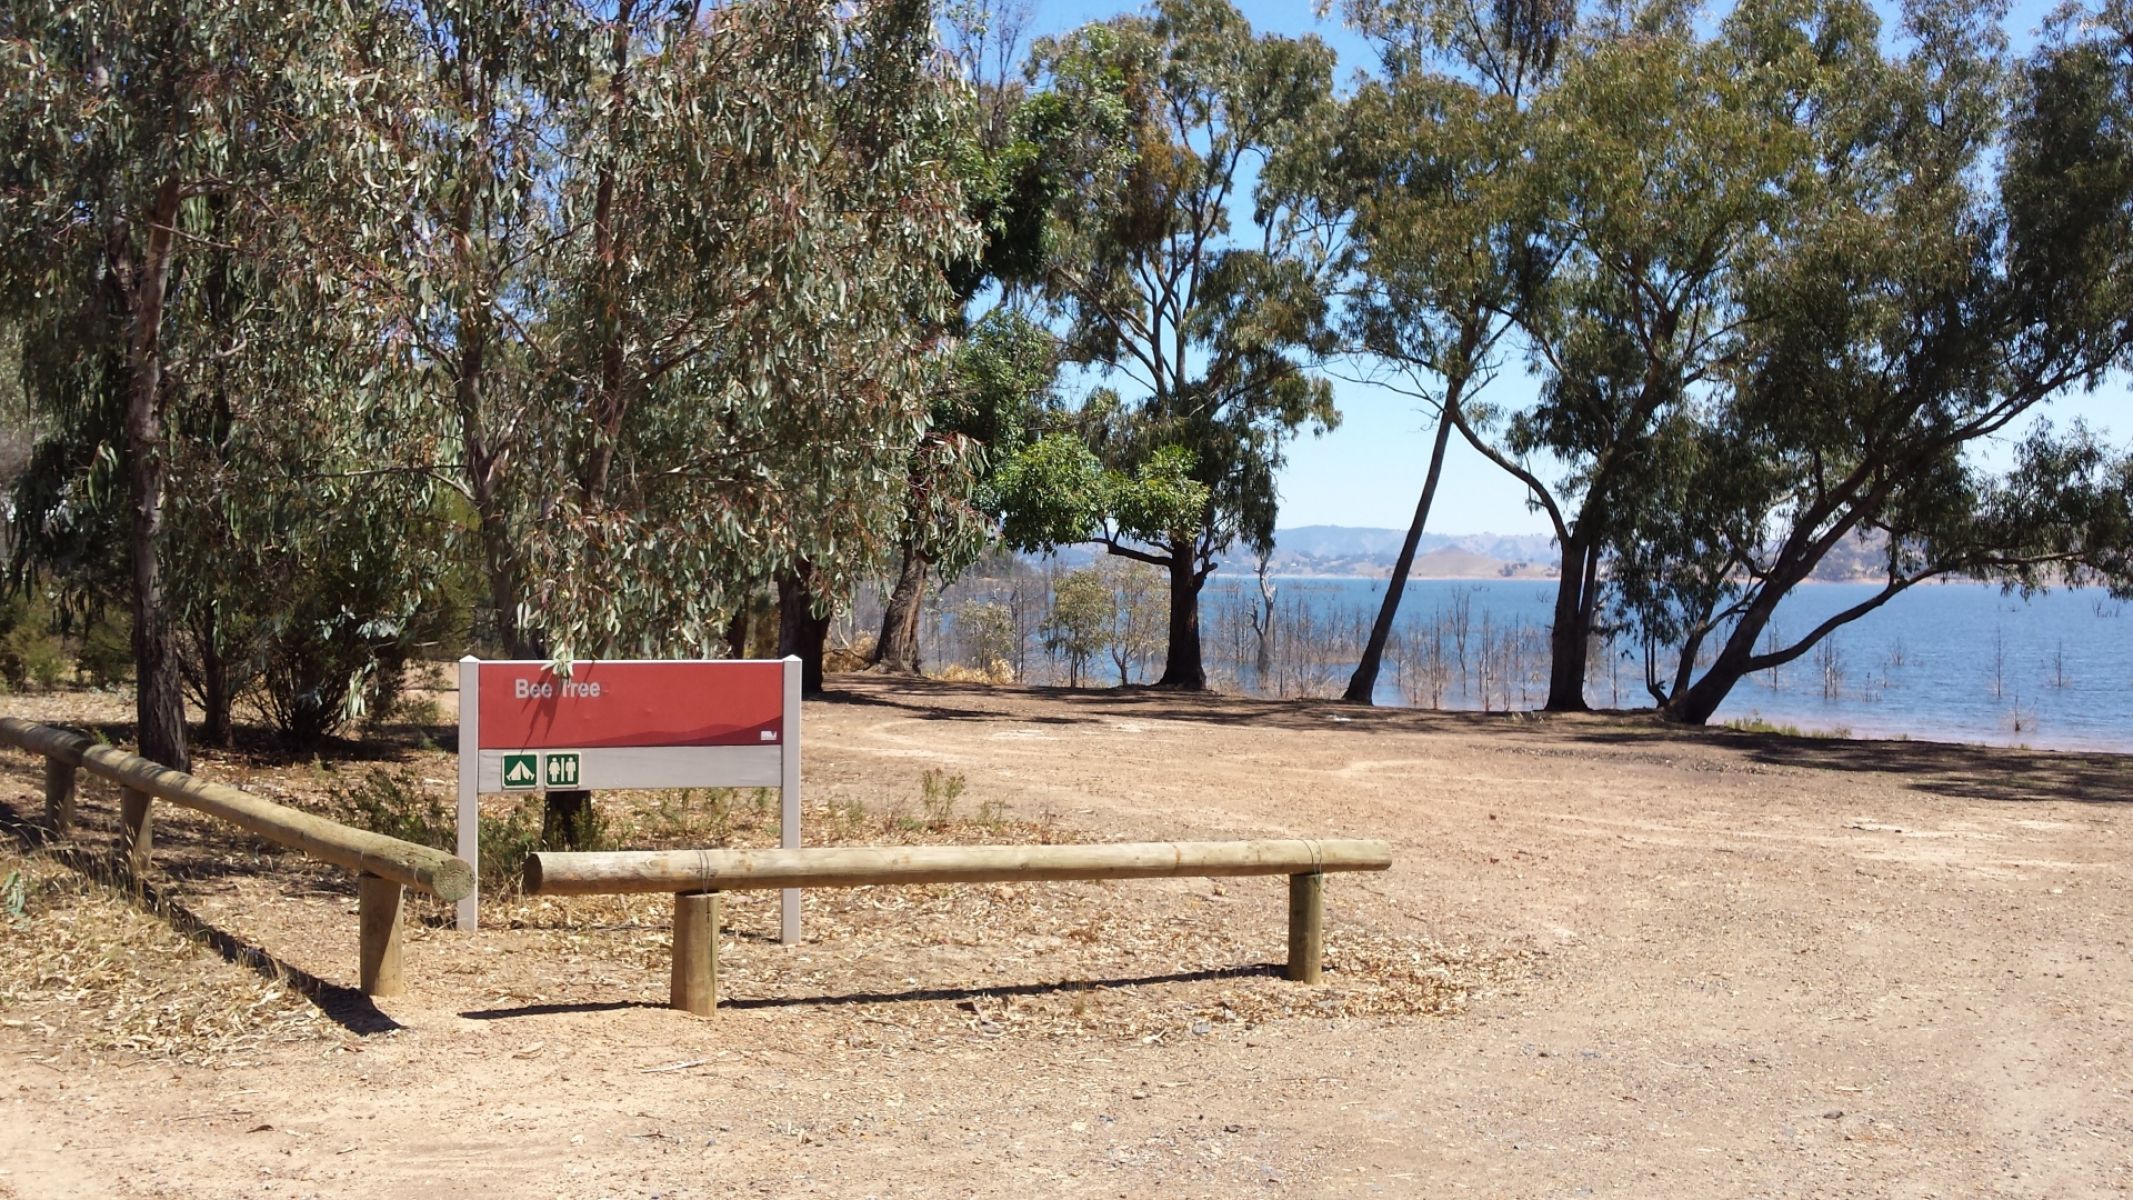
(126, 125)
(1211, 325)
(999, 374)
(674, 279)
(1428, 168)
(1963, 261)
(998, 382)
(1666, 160)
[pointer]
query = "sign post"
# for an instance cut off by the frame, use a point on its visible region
(628, 724)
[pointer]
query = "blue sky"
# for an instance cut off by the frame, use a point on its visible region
(1369, 471)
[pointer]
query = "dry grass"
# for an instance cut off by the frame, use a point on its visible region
(86, 971)
(1140, 960)
(1103, 960)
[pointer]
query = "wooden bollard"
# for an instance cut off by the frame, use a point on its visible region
(1307, 926)
(136, 835)
(378, 924)
(59, 792)
(695, 987)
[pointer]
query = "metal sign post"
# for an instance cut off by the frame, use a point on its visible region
(628, 724)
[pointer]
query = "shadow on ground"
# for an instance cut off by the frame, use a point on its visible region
(939, 700)
(1936, 768)
(908, 996)
(345, 1006)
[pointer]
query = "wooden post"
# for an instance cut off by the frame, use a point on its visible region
(1307, 925)
(378, 919)
(59, 785)
(136, 830)
(696, 952)
(789, 799)
(468, 914)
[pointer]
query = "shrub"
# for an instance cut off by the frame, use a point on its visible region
(938, 793)
(30, 653)
(398, 804)
(106, 654)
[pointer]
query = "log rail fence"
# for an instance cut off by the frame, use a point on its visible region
(384, 866)
(696, 877)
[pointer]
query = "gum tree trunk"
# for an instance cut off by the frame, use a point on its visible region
(1363, 685)
(159, 705)
(1182, 666)
(896, 652)
(800, 631)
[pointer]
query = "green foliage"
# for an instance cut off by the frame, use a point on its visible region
(699, 817)
(687, 352)
(505, 844)
(1840, 416)
(397, 803)
(1757, 335)
(1052, 493)
(1141, 614)
(1000, 379)
(1168, 115)
(31, 654)
(613, 310)
(106, 653)
(1078, 627)
(987, 629)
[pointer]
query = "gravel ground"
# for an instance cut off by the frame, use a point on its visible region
(1611, 959)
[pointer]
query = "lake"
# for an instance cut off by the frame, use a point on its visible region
(1955, 661)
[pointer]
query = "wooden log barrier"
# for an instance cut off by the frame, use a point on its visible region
(137, 831)
(1307, 925)
(383, 865)
(695, 983)
(606, 872)
(59, 792)
(378, 932)
(697, 876)
(361, 851)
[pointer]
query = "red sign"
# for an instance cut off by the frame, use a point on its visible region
(525, 706)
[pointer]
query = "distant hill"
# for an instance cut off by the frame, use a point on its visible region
(1357, 552)
(1344, 550)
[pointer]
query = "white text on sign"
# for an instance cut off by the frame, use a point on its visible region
(544, 689)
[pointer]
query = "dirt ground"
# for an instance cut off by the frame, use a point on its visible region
(1610, 960)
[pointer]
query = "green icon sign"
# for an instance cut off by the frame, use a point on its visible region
(562, 770)
(520, 773)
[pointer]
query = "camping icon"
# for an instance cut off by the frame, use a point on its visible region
(520, 774)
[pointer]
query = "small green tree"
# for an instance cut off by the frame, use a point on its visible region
(1078, 628)
(1173, 111)
(1140, 617)
(987, 631)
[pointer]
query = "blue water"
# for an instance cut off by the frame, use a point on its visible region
(1957, 662)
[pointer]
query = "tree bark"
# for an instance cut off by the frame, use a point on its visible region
(800, 631)
(159, 705)
(1363, 685)
(737, 632)
(1571, 635)
(609, 403)
(896, 652)
(216, 727)
(1736, 658)
(1182, 666)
